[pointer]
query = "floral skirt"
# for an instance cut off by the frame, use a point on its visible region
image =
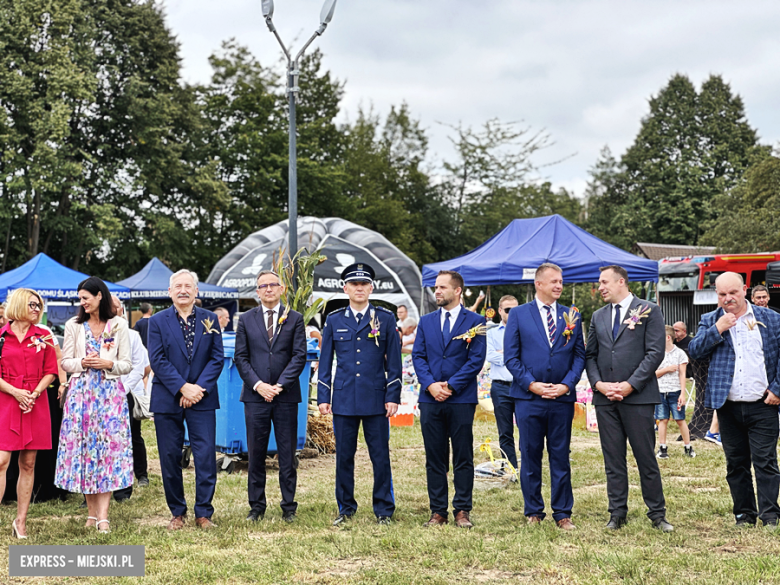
(95, 453)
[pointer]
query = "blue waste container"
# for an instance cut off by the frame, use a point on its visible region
(231, 424)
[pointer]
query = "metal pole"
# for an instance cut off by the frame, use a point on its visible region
(292, 195)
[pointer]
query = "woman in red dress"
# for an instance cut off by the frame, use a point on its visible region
(28, 364)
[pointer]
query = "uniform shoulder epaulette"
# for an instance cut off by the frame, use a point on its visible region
(336, 311)
(385, 310)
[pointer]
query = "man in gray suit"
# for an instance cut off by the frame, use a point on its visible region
(625, 346)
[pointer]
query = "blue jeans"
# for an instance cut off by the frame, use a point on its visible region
(504, 409)
(668, 407)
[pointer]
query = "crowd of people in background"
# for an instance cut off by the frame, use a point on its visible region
(168, 364)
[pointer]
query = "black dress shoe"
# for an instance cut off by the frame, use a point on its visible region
(383, 520)
(662, 525)
(616, 522)
(255, 515)
(342, 519)
(745, 520)
(289, 517)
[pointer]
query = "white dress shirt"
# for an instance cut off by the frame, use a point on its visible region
(495, 354)
(624, 305)
(554, 313)
(453, 316)
(750, 379)
(134, 381)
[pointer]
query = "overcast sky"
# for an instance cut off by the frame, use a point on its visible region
(583, 70)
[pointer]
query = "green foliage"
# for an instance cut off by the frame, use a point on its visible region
(691, 147)
(749, 214)
(297, 276)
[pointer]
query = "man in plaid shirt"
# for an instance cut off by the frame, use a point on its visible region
(744, 386)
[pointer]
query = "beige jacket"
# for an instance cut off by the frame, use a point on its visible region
(75, 348)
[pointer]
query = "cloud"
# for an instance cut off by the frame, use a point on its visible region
(582, 70)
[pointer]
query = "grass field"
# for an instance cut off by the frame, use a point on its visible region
(705, 546)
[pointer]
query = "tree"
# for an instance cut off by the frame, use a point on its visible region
(749, 214)
(690, 147)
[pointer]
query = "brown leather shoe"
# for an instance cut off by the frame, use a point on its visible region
(176, 523)
(436, 520)
(566, 524)
(204, 523)
(534, 519)
(462, 520)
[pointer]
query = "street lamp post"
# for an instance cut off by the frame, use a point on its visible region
(292, 89)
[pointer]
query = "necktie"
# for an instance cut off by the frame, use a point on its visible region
(359, 317)
(550, 324)
(270, 325)
(616, 325)
(445, 331)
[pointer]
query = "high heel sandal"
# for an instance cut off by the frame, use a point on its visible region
(106, 530)
(91, 518)
(16, 531)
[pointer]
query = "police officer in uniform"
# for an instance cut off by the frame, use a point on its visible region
(366, 387)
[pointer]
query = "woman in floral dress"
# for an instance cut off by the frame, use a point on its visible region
(95, 454)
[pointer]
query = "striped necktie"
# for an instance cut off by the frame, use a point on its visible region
(550, 324)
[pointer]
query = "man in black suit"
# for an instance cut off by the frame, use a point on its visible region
(142, 325)
(626, 344)
(270, 356)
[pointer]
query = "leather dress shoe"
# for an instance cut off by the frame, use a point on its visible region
(662, 525)
(204, 523)
(534, 519)
(176, 523)
(289, 517)
(383, 520)
(745, 520)
(255, 515)
(143, 481)
(462, 520)
(342, 519)
(616, 523)
(436, 520)
(566, 524)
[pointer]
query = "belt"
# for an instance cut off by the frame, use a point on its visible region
(504, 382)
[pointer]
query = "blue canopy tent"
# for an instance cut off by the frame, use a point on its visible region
(151, 282)
(50, 279)
(513, 254)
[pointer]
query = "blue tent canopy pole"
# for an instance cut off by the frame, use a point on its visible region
(512, 255)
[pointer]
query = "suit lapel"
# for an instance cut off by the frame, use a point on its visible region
(607, 319)
(366, 320)
(259, 318)
(560, 325)
(199, 328)
(278, 326)
(349, 319)
(540, 324)
(455, 326)
(634, 303)
(175, 327)
(435, 325)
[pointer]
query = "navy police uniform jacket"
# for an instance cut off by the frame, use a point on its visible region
(368, 369)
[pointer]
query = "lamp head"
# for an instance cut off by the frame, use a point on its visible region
(326, 15)
(268, 8)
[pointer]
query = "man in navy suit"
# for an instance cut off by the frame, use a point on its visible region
(186, 355)
(366, 388)
(741, 343)
(270, 356)
(546, 356)
(447, 369)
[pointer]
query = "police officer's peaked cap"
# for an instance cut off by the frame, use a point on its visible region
(358, 272)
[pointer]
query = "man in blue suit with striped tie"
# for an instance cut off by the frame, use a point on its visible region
(448, 355)
(544, 349)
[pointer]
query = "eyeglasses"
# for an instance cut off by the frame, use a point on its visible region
(271, 285)
(35, 306)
